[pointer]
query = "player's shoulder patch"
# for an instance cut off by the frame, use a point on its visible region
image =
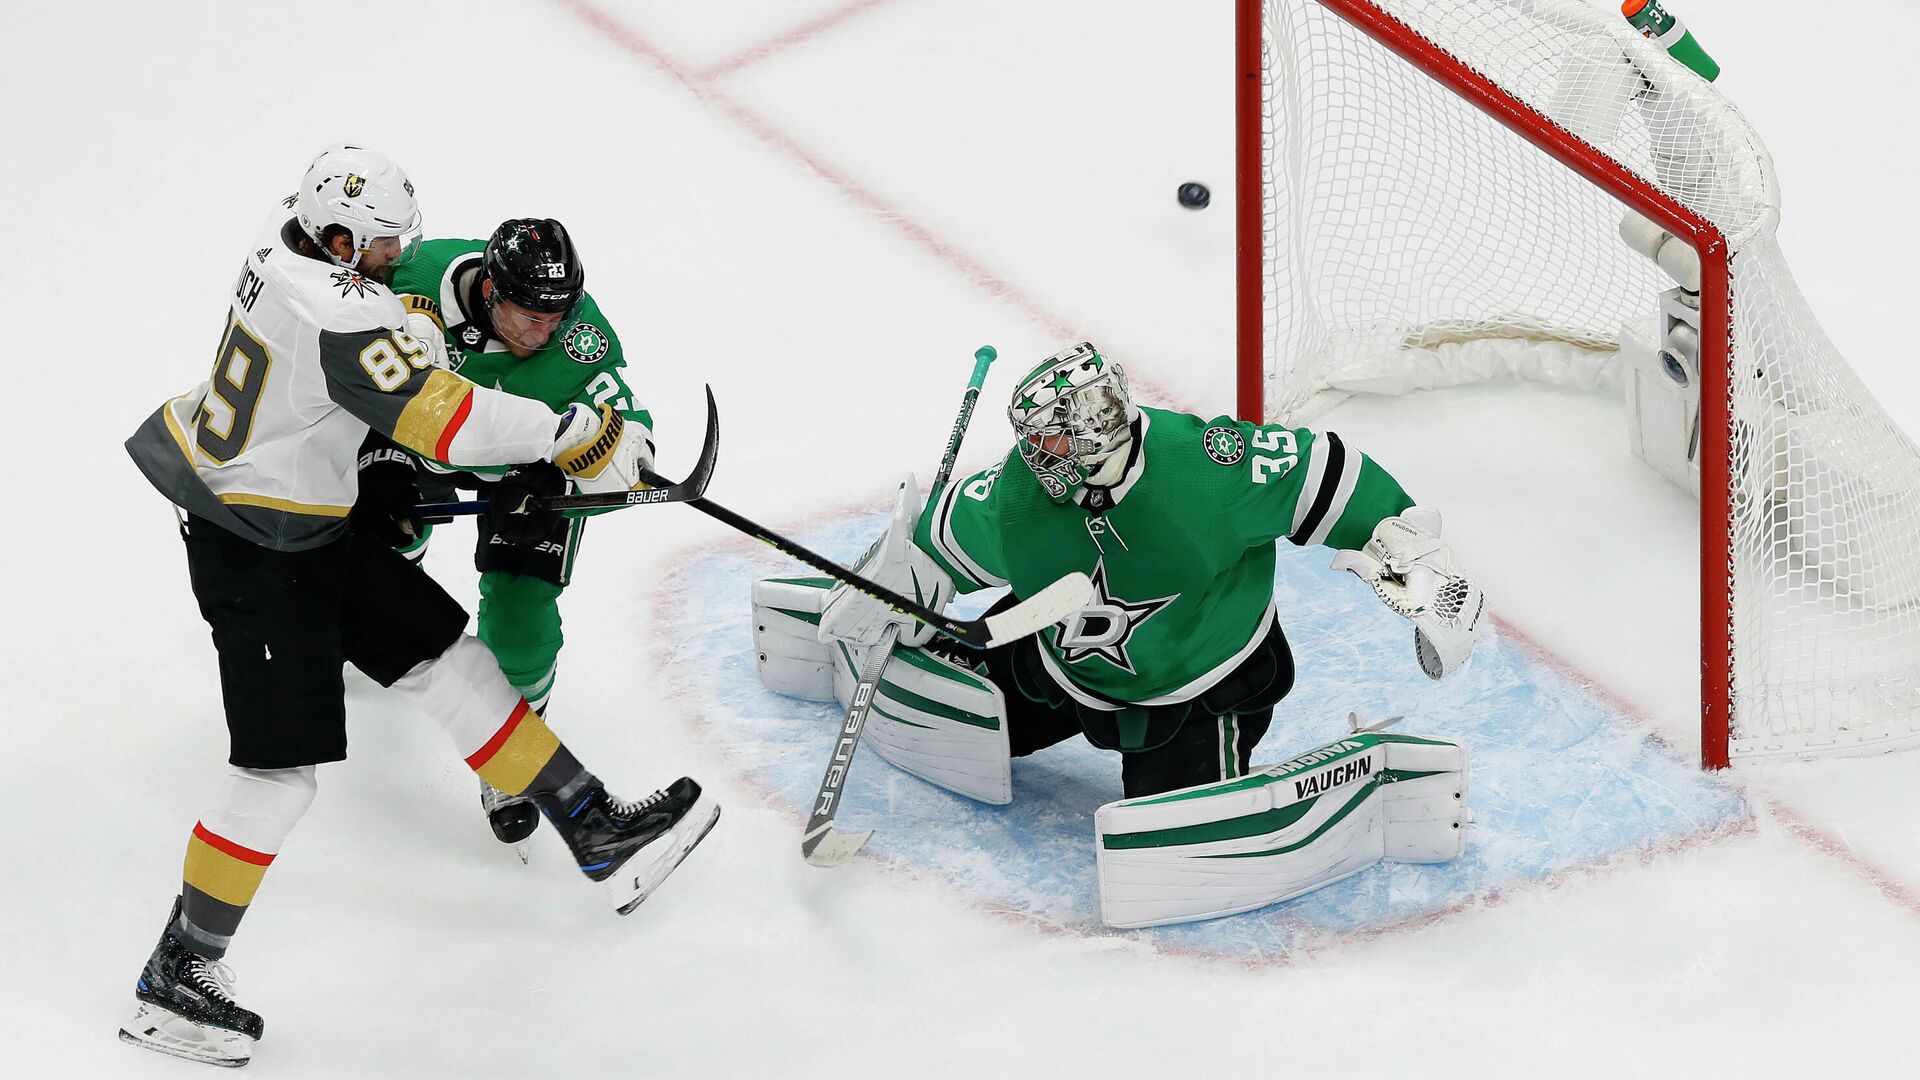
(1225, 445)
(586, 343)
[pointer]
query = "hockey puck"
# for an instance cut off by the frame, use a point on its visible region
(1194, 195)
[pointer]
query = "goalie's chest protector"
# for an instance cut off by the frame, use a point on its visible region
(1180, 593)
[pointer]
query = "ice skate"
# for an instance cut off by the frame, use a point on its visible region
(631, 847)
(513, 817)
(186, 1007)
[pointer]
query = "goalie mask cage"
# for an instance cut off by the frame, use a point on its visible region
(1431, 191)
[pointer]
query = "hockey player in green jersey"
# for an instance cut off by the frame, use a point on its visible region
(514, 314)
(1180, 659)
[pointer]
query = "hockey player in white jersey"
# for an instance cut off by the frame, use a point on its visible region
(260, 462)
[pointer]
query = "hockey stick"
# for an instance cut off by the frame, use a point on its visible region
(662, 491)
(822, 844)
(1066, 595)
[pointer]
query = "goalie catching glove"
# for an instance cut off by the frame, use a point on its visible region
(1413, 573)
(602, 450)
(893, 562)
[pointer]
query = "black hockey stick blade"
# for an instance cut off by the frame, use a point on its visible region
(661, 490)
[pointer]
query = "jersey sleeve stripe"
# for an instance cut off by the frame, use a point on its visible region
(948, 544)
(1342, 491)
(429, 420)
(444, 447)
(1309, 487)
(1316, 495)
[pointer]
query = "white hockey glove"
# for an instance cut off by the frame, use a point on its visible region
(894, 562)
(427, 332)
(423, 322)
(1413, 573)
(602, 450)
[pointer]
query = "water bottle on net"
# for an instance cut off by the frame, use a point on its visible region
(1665, 29)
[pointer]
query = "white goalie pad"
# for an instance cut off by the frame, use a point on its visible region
(930, 717)
(786, 641)
(935, 719)
(1281, 831)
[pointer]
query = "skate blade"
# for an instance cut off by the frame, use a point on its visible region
(167, 1032)
(636, 880)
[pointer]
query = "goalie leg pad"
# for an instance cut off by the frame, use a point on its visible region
(786, 642)
(1284, 830)
(936, 719)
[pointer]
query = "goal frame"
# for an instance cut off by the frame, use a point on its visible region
(1716, 297)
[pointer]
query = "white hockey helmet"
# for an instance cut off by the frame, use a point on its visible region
(363, 192)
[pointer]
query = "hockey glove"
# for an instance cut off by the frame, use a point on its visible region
(895, 563)
(511, 514)
(389, 488)
(1413, 573)
(602, 450)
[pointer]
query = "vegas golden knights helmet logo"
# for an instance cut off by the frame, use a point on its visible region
(353, 185)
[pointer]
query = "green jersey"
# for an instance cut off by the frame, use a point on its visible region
(581, 364)
(1181, 550)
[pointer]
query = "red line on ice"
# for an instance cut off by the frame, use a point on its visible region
(992, 284)
(787, 39)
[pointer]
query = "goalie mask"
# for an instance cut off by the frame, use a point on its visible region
(1072, 415)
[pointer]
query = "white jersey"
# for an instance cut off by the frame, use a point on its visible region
(315, 354)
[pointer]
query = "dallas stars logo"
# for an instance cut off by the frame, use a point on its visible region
(1224, 445)
(586, 343)
(351, 284)
(1106, 624)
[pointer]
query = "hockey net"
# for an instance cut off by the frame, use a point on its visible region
(1438, 198)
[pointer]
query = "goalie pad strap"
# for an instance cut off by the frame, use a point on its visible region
(1283, 830)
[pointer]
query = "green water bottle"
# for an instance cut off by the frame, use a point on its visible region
(1666, 30)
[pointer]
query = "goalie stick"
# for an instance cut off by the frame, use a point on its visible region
(822, 844)
(660, 491)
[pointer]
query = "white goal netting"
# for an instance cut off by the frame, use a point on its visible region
(1412, 241)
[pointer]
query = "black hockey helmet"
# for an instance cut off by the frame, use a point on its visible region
(532, 262)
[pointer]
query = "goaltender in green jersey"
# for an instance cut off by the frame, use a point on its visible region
(514, 314)
(1179, 659)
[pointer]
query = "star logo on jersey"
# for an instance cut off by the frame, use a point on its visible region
(351, 284)
(586, 343)
(1224, 445)
(1106, 624)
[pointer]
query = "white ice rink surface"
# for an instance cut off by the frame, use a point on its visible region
(821, 208)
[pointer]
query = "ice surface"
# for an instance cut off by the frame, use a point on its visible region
(822, 209)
